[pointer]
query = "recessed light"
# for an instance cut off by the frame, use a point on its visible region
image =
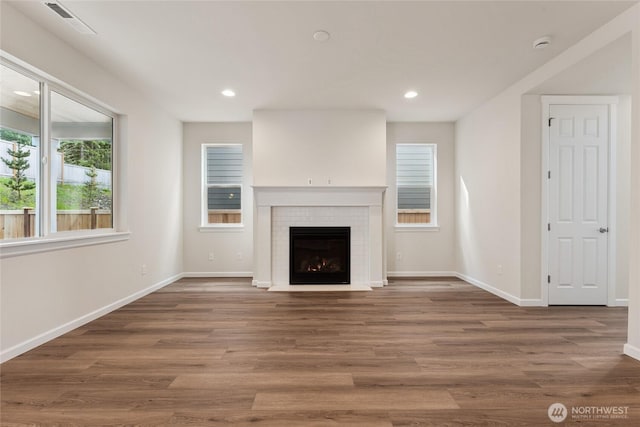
(411, 94)
(321, 36)
(21, 93)
(228, 93)
(542, 42)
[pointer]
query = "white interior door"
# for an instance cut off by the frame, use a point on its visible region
(578, 204)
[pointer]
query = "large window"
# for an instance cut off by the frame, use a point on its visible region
(56, 152)
(416, 184)
(222, 184)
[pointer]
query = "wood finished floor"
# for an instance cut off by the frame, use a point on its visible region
(418, 352)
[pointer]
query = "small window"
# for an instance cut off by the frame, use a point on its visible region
(222, 184)
(416, 184)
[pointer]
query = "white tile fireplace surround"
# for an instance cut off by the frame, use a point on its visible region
(278, 208)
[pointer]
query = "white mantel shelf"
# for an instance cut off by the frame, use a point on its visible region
(313, 199)
(316, 195)
(321, 187)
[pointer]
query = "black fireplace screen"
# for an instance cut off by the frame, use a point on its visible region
(319, 255)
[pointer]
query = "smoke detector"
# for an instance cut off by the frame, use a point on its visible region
(542, 42)
(69, 17)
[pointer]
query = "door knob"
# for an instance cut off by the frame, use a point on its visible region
(604, 230)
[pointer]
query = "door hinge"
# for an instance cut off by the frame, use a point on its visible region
(548, 226)
(548, 174)
(549, 121)
(549, 279)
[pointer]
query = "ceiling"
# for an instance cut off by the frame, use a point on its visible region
(607, 71)
(455, 54)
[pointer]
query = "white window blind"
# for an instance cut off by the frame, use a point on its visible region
(223, 176)
(415, 171)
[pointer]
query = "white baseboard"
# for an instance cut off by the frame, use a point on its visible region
(622, 302)
(632, 351)
(34, 342)
(522, 302)
(218, 274)
(531, 302)
(393, 274)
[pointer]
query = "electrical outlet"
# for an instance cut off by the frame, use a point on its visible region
(398, 255)
(239, 256)
(499, 269)
(143, 269)
(211, 256)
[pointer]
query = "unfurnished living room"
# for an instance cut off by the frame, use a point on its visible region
(320, 213)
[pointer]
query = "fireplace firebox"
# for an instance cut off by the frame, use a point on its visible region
(319, 255)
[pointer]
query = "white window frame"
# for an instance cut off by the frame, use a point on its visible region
(45, 240)
(433, 224)
(204, 202)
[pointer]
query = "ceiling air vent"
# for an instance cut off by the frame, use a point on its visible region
(69, 18)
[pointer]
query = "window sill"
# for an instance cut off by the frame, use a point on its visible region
(221, 228)
(48, 244)
(416, 227)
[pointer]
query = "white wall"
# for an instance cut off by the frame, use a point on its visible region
(487, 156)
(45, 294)
(226, 243)
(623, 196)
(491, 192)
(423, 251)
(606, 71)
(530, 204)
(530, 175)
(495, 187)
(291, 147)
(632, 347)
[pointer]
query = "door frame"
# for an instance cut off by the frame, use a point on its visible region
(611, 102)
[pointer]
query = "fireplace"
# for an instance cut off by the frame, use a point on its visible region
(319, 255)
(280, 208)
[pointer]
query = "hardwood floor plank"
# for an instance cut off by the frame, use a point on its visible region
(362, 399)
(149, 354)
(154, 400)
(508, 397)
(261, 381)
(85, 418)
(432, 352)
(282, 418)
(523, 417)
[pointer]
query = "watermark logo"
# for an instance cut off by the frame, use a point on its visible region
(557, 412)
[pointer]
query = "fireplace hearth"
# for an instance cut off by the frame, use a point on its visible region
(319, 255)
